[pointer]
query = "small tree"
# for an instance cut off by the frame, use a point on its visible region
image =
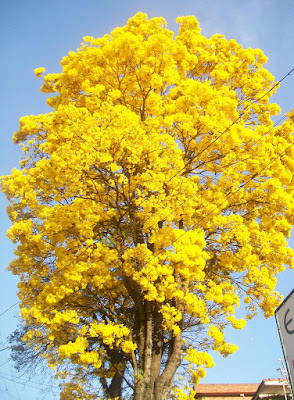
(151, 199)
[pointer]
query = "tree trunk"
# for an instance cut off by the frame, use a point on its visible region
(159, 387)
(153, 390)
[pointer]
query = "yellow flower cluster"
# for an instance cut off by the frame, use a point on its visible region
(75, 391)
(112, 335)
(178, 394)
(199, 358)
(220, 345)
(39, 72)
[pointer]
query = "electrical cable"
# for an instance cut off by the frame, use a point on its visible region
(5, 387)
(9, 394)
(13, 305)
(6, 362)
(24, 383)
(5, 348)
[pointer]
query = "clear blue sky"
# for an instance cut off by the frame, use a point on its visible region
(39, 33)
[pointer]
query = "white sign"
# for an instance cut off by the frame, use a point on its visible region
(285, 321)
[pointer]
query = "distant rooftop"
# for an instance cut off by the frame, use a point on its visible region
(272, 388)
(267, 389)
(223, 391)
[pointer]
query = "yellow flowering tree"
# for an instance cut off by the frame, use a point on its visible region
(154, 197)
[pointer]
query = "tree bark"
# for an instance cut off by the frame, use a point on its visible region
(163, 383)
(153, 386)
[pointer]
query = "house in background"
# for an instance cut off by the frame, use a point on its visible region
(273, 389)
(277, 389)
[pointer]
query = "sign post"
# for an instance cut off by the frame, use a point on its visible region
(285, 321)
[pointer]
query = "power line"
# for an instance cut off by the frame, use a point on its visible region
(9, 394)
(13, 305)
(5, 348)
(23, 383)
(6, 362)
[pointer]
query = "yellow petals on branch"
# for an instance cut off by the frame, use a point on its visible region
(39, 72)
(220, 345)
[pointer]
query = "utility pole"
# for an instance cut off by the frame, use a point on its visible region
(285, 380)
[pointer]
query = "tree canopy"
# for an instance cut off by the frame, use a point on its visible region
(153, 200)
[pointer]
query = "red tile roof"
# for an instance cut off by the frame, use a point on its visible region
(229, 389)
